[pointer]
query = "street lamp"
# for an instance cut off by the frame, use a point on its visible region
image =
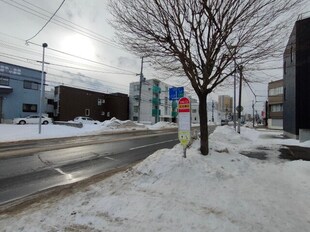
(44, 45)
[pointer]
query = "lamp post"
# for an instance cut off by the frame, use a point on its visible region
(240, 90)
(44, 45)
(140, 88)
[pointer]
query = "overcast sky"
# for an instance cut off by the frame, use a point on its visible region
(81, 28)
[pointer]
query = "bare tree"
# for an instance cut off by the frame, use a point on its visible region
(205, 40)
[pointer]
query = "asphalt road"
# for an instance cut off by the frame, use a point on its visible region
(33, 166)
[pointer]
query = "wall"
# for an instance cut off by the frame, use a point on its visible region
(296, 79)
(12, 103)
(72, 102)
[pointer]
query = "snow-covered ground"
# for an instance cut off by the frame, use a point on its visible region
(11, 132)
(224, 191)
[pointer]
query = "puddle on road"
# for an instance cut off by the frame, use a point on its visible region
(295, 153)
(255, 154)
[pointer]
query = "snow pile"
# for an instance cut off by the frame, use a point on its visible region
(162, 125)
(11, 132)
(118, 124)
(221, 192)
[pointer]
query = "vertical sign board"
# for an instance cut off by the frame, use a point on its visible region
(184, 115)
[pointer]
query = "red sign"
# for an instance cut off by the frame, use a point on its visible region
(184, 105)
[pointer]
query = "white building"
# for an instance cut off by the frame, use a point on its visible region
(211, 111)
(155, 105)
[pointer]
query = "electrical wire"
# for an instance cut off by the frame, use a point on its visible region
(78, 26)
(69, 26)
(85, 59)
(46, 22)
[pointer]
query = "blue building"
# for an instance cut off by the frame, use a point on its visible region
(19, 91)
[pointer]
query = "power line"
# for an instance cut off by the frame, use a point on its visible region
(71, 26)
(85, 59)
(13, 47)
(65, 66)
(46, 22)
(78, 26)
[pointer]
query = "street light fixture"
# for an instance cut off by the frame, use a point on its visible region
(44, 45)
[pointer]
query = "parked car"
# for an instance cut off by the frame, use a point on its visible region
(224, 122)
(32, 119)
(86, 120)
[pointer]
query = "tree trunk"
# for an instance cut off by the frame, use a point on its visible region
(203, 114)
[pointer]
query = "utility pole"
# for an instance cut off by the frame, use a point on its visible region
(253, 113)
(42, 90)
(140, 87)
(240, 90)
(235, 98)
(212, 111)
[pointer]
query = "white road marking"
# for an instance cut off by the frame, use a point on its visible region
(60, 171)
(152, 144)
(68, 176)
(109, 158)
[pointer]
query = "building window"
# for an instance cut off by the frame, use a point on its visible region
(31, 85)
(50, 101)
(4, 80)
(194, 111)
(30, 108)
(136, 87)
(135, 109)
(276, 91)
(87, 112)
(276, 108)
(291, 54)
(100, 101)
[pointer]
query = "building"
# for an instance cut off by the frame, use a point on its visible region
(212, 112)
(275, 104)
(19, 91)
(155, 105)
(72, 102)
(296, 82)
(225, 106)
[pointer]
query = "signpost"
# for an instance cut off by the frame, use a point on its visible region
(175, 93)
(184, 114)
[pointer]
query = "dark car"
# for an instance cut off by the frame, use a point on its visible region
(224, 122)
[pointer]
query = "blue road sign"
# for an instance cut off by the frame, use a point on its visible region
(175, 93)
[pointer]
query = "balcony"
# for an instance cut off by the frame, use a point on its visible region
(156, 101)
(156, 89)
(174, 114)
(155, 112)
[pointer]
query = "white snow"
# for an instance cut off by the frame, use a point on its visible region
(224, 191)
(11, 132)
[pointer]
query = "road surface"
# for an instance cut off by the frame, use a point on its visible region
(30, 167)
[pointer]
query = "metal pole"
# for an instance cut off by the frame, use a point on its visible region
(235, 98)
(253, 114)
(240, 90)
(42, 86)
(212, 111)
(140, 87)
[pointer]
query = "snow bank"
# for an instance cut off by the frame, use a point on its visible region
(162, 125)
(221, 192)
(118, 124)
